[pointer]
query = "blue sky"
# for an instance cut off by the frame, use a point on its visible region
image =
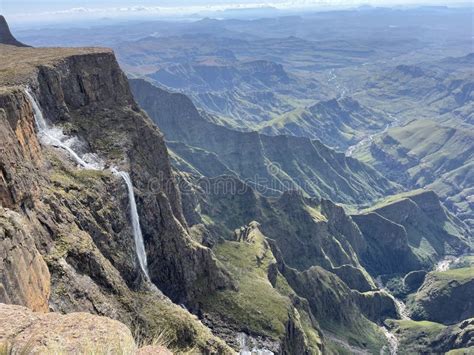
(19, 11)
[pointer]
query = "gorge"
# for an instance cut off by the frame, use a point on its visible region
(132, 218)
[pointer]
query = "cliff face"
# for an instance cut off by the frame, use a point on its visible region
(338, 123)
(25, 277)
(70, 225)
(22, 152)
(444, 297)
(408, 232)
(83, 91)
(407, 155)
(325, 253)
(66, 235)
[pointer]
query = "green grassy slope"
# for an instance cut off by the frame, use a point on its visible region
(427, 153)
(409, 231)
(419, 336)
(337, 123)
(445, 297)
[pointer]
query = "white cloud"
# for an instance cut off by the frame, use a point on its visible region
(206, 9)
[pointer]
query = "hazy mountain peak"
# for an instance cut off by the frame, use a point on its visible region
(6, 36)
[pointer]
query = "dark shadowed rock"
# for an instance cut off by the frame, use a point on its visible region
(273, 162)
(76, 221)
(413, 280)
(417, 337)
(6, 36)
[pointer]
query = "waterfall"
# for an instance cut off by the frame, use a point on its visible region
(54, 136)
(39, 118)
(137, 232)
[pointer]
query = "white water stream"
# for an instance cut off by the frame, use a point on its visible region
(247, 349)
(451, 260)
(399, 304)
(369, 139)
(54, 136)
(402, 313)
(137, 231)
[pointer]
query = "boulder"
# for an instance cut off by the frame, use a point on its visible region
(23, 331)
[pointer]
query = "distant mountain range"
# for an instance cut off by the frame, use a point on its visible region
(272, 162)
(293, 185)
(338, 123)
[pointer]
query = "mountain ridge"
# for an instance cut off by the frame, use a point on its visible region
(6, 36)
(243, 245)
(259, 158)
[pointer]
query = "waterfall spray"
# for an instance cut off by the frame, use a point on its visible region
(53, 136)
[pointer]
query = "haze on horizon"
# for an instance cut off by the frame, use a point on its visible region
(24, 12)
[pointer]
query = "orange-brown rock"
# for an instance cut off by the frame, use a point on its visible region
(23, 331)
(78, 220)
(19, 148)
(24, 275)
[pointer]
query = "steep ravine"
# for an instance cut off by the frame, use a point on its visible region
(270, 163)
(77, 220)
(74, 222)
(284, 269)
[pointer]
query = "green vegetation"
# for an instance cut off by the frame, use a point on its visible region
(257, 306)
(160, 322)
(415, 336)
(463, 262)
(460, 276)
(423, 336)
(462, 351)
(430, 154)
(277, 163)
(422, 231)
(444, 297)
(336, 308)
(337, 123)
(386, 201)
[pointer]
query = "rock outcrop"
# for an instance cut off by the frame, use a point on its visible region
(272, 264)
(413, 280)
(6, 36)
(22, 331)
(417, 337)
(432, 154)
(409, 232)
(263, 306)
(338, 123)
(337, 307)
(444, 297)
(24, 275)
